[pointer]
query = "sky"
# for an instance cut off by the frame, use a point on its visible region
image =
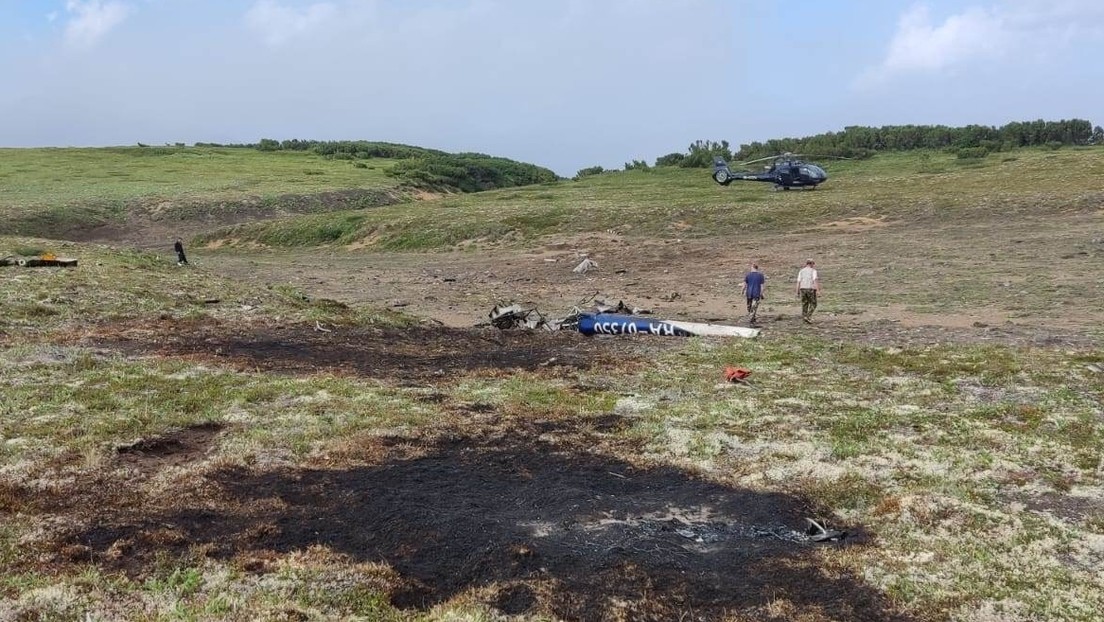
(562, 83)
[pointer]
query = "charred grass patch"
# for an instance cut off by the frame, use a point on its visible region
(205, 491)
(415, 353)
(509, 521)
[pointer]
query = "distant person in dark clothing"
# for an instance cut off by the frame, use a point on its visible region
(181, 258)
(754, 285)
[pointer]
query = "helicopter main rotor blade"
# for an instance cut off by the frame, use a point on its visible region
(759, 160)
(791, 156)
(813, 155)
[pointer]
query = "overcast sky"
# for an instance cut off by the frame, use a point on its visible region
(562, 83)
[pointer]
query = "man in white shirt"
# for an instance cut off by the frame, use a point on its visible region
(808, 287)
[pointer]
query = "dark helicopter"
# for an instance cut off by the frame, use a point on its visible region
(786, 172)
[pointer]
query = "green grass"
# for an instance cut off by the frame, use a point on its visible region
(930, 454)
(116, 285)
(51, 190)
(38, 178)
(670, 202)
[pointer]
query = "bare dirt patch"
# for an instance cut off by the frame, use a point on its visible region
(887, 332)
(857, 224)
(175, 449)
(942, 276)
(153, 225)
(542, 527)
(1064, 506)
(406, 354)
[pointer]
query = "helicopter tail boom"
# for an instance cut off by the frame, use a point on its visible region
(724, 176)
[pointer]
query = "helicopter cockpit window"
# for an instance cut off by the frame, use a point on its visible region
(814, 171)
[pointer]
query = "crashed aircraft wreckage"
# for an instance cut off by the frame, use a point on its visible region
(602, 322)
(613, 324)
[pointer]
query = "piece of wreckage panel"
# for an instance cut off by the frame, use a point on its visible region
(614, 324)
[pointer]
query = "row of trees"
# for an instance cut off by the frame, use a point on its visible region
(861, 142)
(469, 172)
(348, 149)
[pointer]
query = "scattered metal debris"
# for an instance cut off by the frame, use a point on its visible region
(713, 531)
(45, 260)
(602, 306)
(817, 532)
(602, 322)
(586, 265)
(515, 316)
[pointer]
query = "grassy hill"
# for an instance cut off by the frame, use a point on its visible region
(70, 193)
(100, 193)
(911, 186)
(55, 192)
(45, 178)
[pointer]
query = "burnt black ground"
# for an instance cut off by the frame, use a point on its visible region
(559, 529)
(403, 354)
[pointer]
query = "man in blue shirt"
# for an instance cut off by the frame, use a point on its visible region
(754, 286)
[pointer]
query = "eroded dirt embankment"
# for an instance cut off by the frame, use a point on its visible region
(153, 223)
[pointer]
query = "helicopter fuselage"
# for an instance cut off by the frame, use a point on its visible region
(783, 174)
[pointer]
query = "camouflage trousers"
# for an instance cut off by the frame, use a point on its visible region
(808, 303)
(753, 307)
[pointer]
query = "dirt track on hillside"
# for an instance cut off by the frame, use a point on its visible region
(154, 225)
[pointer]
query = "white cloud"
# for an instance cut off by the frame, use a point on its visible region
(278, 23)
(91, 20)
(978, 35)
(975, 34)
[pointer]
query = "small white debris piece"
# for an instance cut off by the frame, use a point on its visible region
(585, 266)
(817, 532)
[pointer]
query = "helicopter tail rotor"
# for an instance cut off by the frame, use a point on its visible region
(721, 173)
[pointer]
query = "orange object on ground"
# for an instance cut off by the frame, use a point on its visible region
(736, 374)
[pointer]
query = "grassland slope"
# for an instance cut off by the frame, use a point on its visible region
(914, 187)
(70, 193)
(140, 195)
